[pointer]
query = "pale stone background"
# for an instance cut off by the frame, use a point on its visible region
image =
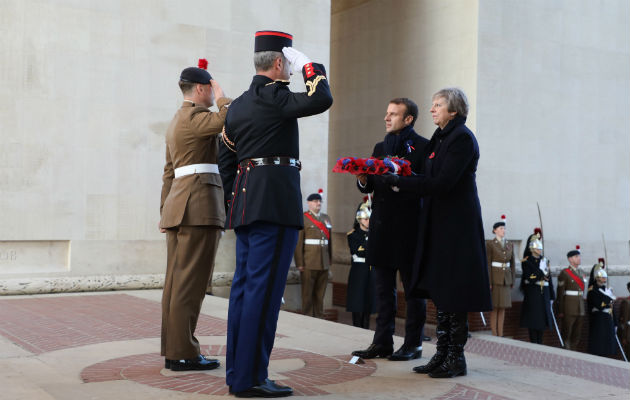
(87, 89)
(549, 87)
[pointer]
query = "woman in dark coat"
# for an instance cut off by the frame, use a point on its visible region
(360, 298)
(601, 328)
(450, 265)
(537, 289)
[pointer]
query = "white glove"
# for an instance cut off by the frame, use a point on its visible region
(608, 292)
(296, 59)
(543, 265)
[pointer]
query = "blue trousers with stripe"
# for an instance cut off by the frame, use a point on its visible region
(263, 255)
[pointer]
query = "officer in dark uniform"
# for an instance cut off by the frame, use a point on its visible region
(260, 171)
(393, 235)
(601, 328)
(538, 292)
(360, 298)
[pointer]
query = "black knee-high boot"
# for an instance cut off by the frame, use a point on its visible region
(455, 362)
(443, 340)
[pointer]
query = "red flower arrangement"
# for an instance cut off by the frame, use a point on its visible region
(373, 166)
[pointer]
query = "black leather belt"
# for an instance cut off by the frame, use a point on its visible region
(292, 162)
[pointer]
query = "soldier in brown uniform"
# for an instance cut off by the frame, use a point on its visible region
(623, 329)
(313, 256)
(192, 214)
(501, 269)
(571, 307)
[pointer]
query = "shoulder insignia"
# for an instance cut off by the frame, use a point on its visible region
(228, 143)
(590, 288)
(350, 233)
(286, 82)
(361, 248)
(524, 259)
(532, 276)
(312, 85)
(603, 304)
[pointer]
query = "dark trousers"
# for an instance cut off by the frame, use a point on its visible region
(536, 335)
(263, 256)
(386, 305)
(361, 319)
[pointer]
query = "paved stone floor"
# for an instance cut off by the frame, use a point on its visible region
(106, 346)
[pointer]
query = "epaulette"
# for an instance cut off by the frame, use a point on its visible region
(285, 82)
(350, 233)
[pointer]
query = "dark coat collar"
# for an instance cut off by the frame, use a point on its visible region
(452, 124)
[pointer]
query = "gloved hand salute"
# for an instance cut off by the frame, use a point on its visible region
(296, 59)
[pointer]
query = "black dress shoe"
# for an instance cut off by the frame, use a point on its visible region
(374, 351)
(266, 389)
(406, 353)
(200, 363)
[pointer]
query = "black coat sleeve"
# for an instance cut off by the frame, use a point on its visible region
(456, 161)
(315, 100)
(228, 165)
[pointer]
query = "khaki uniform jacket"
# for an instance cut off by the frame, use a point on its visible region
(192, 138)
(505, 255)
(312, 256)
(567, 304)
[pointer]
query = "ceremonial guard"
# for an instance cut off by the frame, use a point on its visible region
(601, 264)
(538, 292)
(192, 215)
(360, 299)
(623, 330)
(260, 170)
(501, 269)
(393, 233)
(313, 256)
(601, 328)
(537, 234)
(571, 307)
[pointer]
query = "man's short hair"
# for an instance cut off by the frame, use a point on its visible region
(411, 108)
(263, 60)
(456, 100)
(186, 87)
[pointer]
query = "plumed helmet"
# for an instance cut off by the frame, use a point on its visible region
(600, 273)
(364, 211)
(536, 243)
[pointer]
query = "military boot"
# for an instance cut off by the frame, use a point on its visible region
(455, 363)
(443, 340)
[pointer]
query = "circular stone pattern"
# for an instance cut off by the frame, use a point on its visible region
(314, 372)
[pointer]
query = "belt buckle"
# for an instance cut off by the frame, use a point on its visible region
(276, 161)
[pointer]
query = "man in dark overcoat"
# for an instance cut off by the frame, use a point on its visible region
(260, 170)
(392, 236)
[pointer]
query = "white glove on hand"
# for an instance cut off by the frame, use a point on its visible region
(543, 265)
(296, 59)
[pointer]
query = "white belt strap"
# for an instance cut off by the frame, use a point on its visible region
(358, 259)
(544, 283)
(500, 265)
(316, 242)
(573, 292)
(196, 169)
(628, 322)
